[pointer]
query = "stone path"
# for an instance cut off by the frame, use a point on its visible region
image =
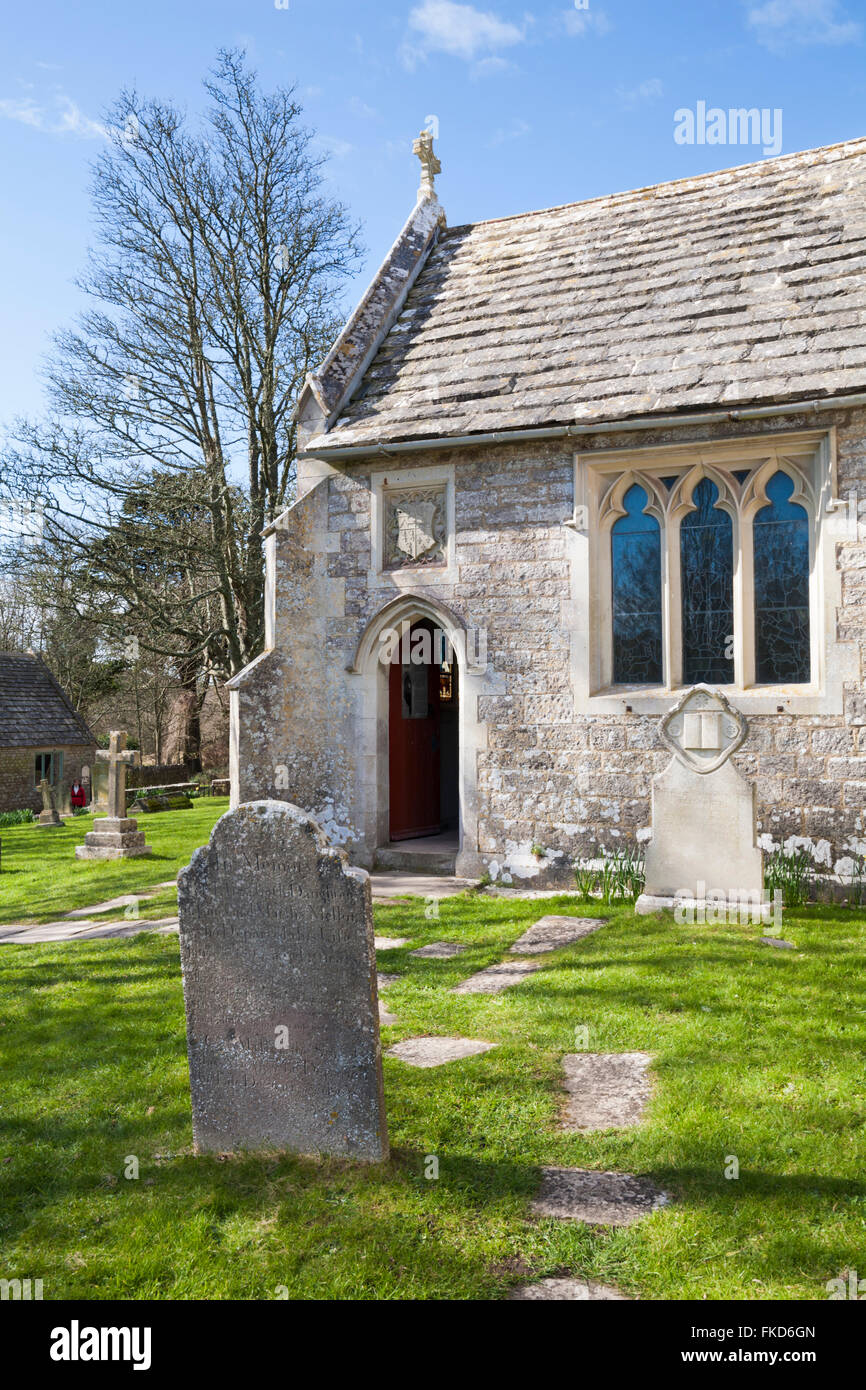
(438, 950)
(384, 1017)
(83, 930)
(435, 1052)
(599, 1199)
(385, 886)
(497, 977)
(126, 900)
(390, 943)
(778, 942)
(549, 933)
(383, 980)
(547, 1290)
(605, 1090)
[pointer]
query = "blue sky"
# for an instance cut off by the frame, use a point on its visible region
(537, 104)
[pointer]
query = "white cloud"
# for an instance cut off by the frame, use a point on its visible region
(650, 90)
(66, 118)
(461, 31)
(579, 22)
(781, 23)
(332, 146)
(515, 131)
(360, 108)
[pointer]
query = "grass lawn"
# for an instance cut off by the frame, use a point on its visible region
(41, 879)
(758, 1054)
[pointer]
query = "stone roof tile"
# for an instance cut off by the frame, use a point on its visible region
(734, 288)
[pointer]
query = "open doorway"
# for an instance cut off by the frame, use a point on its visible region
(423, 737)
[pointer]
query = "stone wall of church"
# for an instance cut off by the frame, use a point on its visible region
(547, 777)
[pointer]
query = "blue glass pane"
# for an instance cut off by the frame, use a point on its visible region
(781, 588)
(707, 577)
(635, 544)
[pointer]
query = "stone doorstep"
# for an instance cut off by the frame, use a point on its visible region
(560, 1290)
(497, 977)
(436, 1051)
(605, 1090)
(596, 1198)
(551, 932)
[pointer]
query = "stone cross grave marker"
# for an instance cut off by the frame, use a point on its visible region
(115, 836)
(279, 979)
(48, 816)
(704, 828)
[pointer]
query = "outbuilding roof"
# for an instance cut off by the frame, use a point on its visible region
(34, 710)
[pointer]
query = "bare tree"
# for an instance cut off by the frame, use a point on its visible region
(219, 254)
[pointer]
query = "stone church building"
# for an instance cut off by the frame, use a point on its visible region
(575, 461)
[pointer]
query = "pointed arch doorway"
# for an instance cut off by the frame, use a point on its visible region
(423, 737)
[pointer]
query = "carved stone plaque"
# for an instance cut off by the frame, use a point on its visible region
(415, 527)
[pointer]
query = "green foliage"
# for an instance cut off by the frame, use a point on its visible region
(618, 878)
(790, 872)
(23, 817)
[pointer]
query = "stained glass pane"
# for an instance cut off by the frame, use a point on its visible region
(707, 578)
(635, 545)
(781, 588)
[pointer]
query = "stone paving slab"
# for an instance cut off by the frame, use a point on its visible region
(384, 1017)
(397, 885)
(778, 942)
(496, 978)
(383, 980)
(390, 943)
(605, 1090)
(547, 1290)
(438, 950)
(599, 1199)
(549, 933)
(435, 1052)
(125, 901)
(83, 930)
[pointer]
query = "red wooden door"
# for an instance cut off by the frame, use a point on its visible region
(413, 749)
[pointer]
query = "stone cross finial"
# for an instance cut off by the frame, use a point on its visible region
(430, 165)
(118, 759)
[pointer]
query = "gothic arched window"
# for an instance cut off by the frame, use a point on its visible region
(635, 543)
(707, 586)
(781, 532)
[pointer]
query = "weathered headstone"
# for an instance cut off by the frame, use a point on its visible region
(279, 979)
(99, 788)
(48, 817)
(115, 836)
(704, 828)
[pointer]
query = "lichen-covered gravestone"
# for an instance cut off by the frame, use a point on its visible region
(279, 978)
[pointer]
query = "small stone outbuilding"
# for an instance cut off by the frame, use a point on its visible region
(41, 734)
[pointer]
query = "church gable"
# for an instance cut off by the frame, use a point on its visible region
(733, 288)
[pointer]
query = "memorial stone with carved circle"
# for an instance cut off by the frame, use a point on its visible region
(704, 829)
